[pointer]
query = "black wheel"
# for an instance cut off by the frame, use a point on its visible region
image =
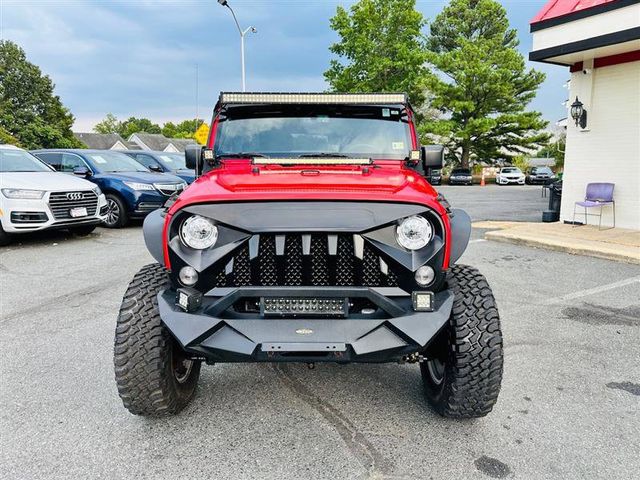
(116, 212)
(463, 370)
(5, 238)
(155, 377)
(83, 230)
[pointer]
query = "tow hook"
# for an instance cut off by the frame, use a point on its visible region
(311, 365)
(414, 358)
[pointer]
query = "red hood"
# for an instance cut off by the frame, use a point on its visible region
(239, 180)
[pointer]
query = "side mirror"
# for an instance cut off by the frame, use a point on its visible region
(156, 168)
(432, 156)
(193, 158)
(82, 171)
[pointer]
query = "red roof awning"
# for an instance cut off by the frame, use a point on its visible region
(561, 8)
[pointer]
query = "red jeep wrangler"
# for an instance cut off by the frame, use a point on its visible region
(310, 236)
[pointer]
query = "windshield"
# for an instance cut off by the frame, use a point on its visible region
(175, 161)
(510, 170)
(461, 171)
(543, 170)
(20, 161)
(114, 162)
(357, 132)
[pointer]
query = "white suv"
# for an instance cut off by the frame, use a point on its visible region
(35, 197)
(509, 175)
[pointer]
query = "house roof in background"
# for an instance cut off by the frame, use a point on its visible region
(100, 141)
(154, 141)
(181, 143)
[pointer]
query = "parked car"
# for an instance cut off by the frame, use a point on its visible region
(435, 176)
(35, 197)
(510, 175)
(132, 191)
(167, 162)
(461, 176)
(540, 175)
(321, 244)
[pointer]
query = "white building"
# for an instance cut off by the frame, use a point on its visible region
(599, 40)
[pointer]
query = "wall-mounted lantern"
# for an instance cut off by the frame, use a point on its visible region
(579, 114)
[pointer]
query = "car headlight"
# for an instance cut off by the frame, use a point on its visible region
(97, 191)
(414, 233)
(139, 186)
(198, 232)
(19, 193)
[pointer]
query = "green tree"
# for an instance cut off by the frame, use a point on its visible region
(184, 129)
(482, 86)
(556, 151)
(110, 124)
(381, 49)
(6, 137)
(30, 112)
(136, 125)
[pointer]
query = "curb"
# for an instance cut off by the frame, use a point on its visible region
(558, 245)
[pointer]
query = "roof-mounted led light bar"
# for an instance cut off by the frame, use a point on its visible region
(311, 161)
(227, 98)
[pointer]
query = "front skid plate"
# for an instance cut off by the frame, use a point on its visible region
(225, 339)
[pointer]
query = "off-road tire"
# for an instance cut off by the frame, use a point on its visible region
(470, 349)
(83, 230)
(145, 351)
(114, 201)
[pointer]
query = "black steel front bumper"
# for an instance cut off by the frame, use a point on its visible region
(217, 334)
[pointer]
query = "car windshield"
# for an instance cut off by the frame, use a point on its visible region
(461, 171)
(543, 170)
(175, 161)
(20, 161)
(114, 162)
(510, 170)
(353, 131)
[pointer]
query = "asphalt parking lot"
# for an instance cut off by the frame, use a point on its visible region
(569, 406)
(493, 202)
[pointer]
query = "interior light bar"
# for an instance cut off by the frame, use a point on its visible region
(315, 98)
(311, 161)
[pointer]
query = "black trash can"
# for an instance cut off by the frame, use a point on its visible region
(555, 196)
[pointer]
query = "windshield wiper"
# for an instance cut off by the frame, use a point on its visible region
(323, 155)
(240, 155)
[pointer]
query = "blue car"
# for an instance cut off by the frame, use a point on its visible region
(132, 191)
(166, 162)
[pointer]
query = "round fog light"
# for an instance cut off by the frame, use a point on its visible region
(425, 276)
(188, 276)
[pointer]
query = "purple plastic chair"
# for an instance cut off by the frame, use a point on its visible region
(598, 195)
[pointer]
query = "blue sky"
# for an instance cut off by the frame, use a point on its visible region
(138, 57)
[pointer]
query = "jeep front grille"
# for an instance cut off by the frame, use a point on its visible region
(62, 202)
(329, 260)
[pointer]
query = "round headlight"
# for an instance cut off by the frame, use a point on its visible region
(199, 232)
(414, 233)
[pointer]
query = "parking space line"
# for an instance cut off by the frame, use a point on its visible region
(591, 291)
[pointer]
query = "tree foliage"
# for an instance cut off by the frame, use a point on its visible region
(184, 129)
(381, 49)
(555, 150)
(30, 112)
(482, 86)
(111, 124)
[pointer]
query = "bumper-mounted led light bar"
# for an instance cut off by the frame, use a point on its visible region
(227, 98)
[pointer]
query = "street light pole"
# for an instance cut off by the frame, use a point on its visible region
(242, 33)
